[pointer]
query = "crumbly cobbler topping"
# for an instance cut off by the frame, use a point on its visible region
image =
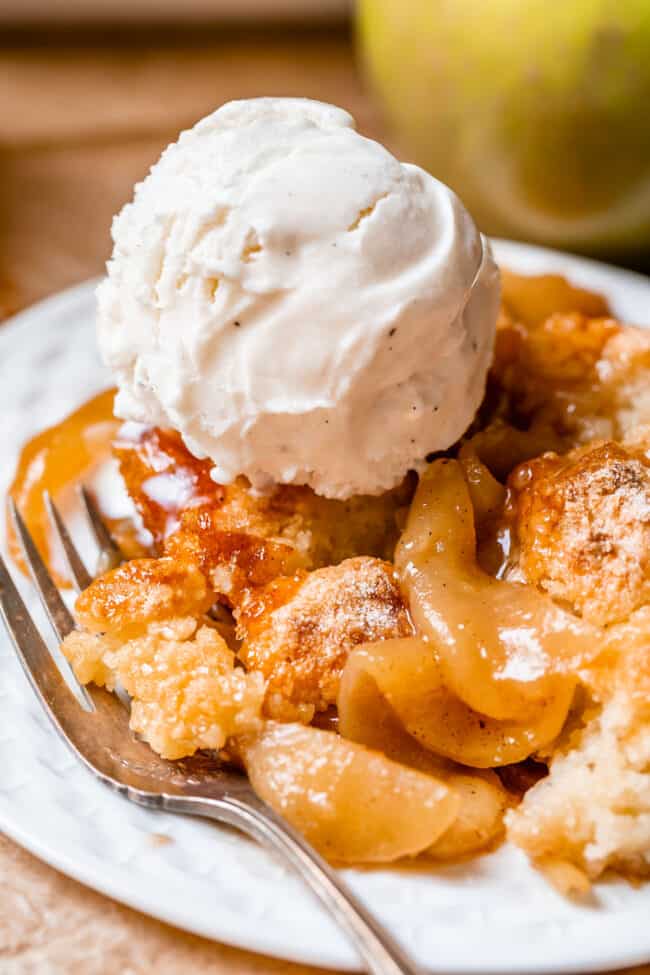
(185, 690)
(299, 631)
(582, 521)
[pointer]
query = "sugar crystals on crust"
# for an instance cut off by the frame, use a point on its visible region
(298, 631)
(582, 523)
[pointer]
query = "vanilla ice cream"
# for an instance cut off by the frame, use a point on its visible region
(302, 307)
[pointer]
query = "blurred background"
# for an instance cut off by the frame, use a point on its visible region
(537, 113)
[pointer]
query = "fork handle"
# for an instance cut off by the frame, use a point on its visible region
(381, 954)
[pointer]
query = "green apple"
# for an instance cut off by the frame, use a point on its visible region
(537, 112)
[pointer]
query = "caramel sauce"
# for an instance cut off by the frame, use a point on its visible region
(163, 478)
(53, 461)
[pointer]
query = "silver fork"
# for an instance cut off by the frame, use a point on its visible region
(97, 731)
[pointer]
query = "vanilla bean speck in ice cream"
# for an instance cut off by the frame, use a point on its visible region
(301, 306)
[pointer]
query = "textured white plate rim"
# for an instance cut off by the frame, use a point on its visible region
(608, 940)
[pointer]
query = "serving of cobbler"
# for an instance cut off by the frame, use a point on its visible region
(463, 658)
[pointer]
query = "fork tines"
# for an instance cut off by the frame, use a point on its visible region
(43, 670)
(57, 612)
(79, 574)
(33, 653)
(110, 554)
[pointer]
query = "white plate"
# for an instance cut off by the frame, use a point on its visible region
(494, 915)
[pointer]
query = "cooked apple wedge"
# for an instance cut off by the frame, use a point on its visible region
(352, 803)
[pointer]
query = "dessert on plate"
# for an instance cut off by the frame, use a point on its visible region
(389, 533)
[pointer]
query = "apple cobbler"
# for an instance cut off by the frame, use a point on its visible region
(423, 671)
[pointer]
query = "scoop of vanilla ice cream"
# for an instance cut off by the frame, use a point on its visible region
(299, 305)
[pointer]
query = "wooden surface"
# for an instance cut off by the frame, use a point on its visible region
(79, 124)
